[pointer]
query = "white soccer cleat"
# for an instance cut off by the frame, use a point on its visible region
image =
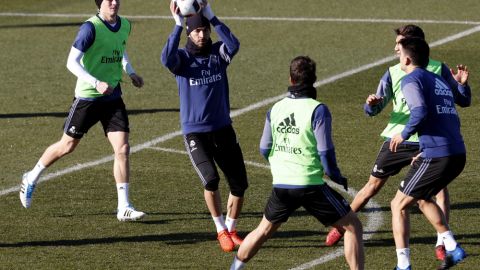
(129, 214)
(26, 191)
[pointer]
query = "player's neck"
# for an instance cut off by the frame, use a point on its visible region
(111, 19)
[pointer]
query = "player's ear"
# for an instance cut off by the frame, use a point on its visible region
(292, 82)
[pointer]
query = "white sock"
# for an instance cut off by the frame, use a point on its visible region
(448, 240)
(122, 192)
(403, 258)
(231, 224)
(34, 174)
(237, 264)
(219, 223)
(439, 240)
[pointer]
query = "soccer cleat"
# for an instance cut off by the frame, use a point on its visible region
(237, 240)
(26, 191)
(440, 252)
(333, 237)
(453, 258)
(129, 214)
(408, 268)
(226, 242)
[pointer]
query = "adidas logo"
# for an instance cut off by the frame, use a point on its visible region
(194, 65)
(288, 125)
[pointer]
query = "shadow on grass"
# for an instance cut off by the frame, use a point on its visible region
(65, 114)
(170, 239)
(41, 25)
(415, 210)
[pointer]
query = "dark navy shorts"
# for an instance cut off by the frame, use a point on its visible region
(222, 148)
(428, 176)
(321, 201)
(85, 113)
(390, 163)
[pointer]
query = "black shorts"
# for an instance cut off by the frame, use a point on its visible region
(84, 114)
(428, 176)
(220, 147)
(390, 163)
(322, 202)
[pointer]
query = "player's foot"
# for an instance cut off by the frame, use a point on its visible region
(408, 268)
(225, 241)
(453, 257)
(129, 214)
(26, 191)
(237, 240)
(333, 237)
(440, 252)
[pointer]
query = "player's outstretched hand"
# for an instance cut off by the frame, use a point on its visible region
(207, 10)
(137, 81)
(461, 75)
(176, 13)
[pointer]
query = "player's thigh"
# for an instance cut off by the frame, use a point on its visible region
(82, 116)
(200, 150)
(229, 157)
(281, 204)
(390, 163)
(325, 204)
(427, 176)
(114, 116)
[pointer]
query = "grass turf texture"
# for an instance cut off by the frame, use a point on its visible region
(72, 223)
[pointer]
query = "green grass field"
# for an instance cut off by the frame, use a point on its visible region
(72, 223)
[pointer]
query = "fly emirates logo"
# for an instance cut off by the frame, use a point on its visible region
(206, 78)
(442, 90)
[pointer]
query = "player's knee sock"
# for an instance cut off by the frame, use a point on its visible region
(34, 174)
(448, 240)
(439, 240)
(231, 224)
(219, 223)
(403, 257)
(122, 192)
(237, 264)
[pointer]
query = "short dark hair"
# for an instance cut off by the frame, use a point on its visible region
(410, 30)
(303, 70)
(417, 49)
(98, 3)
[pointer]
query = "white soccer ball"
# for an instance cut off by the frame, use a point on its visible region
(188, 8)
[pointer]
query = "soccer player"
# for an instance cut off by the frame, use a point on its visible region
(390, 163)
(97, 57)
(297, 142)
(434, 117)
(200, 70)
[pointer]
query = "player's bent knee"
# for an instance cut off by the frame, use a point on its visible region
(212, 185)
(238, 190)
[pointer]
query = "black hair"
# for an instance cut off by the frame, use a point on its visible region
(417, 49)
(410, 30)
(98, 3)
(303, 71)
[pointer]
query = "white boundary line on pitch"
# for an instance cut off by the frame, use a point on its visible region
(236, 18)
(374, 218)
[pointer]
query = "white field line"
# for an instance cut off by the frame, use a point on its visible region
(249, 18)
(374, 218)
(238, 112)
